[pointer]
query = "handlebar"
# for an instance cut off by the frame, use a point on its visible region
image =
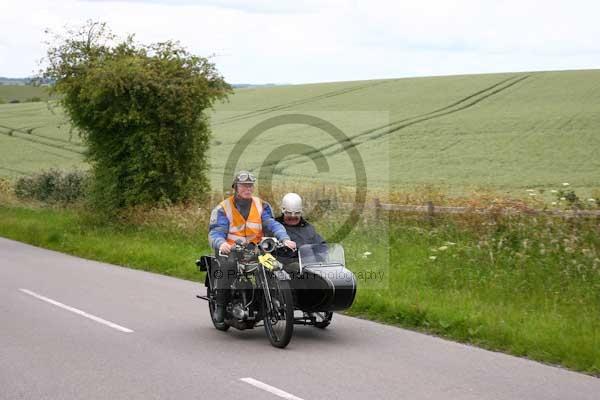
(267, 245)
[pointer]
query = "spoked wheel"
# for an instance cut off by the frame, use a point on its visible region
(279, 324)
(323, 319)
(222, 326)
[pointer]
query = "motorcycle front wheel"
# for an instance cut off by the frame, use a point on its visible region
(279, 324)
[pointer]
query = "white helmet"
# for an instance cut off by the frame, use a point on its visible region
(291, 203)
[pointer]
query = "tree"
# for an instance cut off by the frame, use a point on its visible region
(141, 111)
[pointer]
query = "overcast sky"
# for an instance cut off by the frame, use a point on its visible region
(294, 41)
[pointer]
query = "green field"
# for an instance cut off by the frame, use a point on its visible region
(22, 92)
(505, 132)
(34, 136)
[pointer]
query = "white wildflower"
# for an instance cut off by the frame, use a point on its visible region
(554, 203)
(592, 200)
(565, 184)
(563, 198)
(530, 190)
(432, 258)
(532, 194)
(554, 191)
(442, 248)
(450, 243)
(366, 254)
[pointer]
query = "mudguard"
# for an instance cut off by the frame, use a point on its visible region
(204, 262)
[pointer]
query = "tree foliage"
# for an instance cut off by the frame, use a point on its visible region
(140, 109)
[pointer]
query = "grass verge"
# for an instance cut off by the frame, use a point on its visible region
(523, 285)
(156, 250)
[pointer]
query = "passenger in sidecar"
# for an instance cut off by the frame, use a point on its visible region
(299, 230)
(320, 280)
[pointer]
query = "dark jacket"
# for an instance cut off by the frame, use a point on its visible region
(303, 233)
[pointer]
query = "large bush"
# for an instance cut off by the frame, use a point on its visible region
(140, 109)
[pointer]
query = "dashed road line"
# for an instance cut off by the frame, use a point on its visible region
(77, 311)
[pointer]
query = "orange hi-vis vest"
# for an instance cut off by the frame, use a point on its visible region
(249, 230)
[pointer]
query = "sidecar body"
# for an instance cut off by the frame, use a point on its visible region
(323, 283)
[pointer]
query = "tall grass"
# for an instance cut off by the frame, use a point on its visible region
(526, 285)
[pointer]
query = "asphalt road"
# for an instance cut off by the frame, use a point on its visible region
(168, 349)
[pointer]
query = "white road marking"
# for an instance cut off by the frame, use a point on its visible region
(76, 311)
(270, 389)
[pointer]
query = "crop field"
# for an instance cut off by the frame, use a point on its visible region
(33, 136)
(21, 93)
(503, 132)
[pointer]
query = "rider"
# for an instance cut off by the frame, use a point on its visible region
(299, 230)
(240, 216)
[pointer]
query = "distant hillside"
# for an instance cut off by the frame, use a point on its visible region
(510, 132)
(14, 81)
(253, 85)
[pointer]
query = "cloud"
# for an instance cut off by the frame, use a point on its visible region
(288, 41)
(256, 6)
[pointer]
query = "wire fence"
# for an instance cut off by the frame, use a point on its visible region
(430, 209)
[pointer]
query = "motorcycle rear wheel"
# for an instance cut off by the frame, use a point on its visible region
(221, 326)
(279, 325)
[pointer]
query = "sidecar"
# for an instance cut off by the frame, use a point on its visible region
(323, 284)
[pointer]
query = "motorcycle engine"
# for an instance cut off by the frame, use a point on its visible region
(238, 311)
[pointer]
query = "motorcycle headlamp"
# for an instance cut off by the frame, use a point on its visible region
(268, 244)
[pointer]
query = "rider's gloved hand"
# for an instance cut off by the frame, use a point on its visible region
(225, 248)
(290, 244)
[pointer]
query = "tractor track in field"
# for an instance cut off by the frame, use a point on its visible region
(11, 133)
(448, 146)
(461, 108)
(56, 139)
(56, 154)
(396, 126)
(307, 100)
(456, 103)
(29, 131)
(14, 170)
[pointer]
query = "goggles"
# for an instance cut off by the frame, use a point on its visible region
(245, 177)
(293, 213)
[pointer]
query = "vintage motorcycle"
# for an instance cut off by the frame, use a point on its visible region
(260, 291)
(264, 292)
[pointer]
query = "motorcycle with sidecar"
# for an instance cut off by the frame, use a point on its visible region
(264, 292)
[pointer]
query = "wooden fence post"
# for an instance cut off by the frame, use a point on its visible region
(377, 207)
(430, 211)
